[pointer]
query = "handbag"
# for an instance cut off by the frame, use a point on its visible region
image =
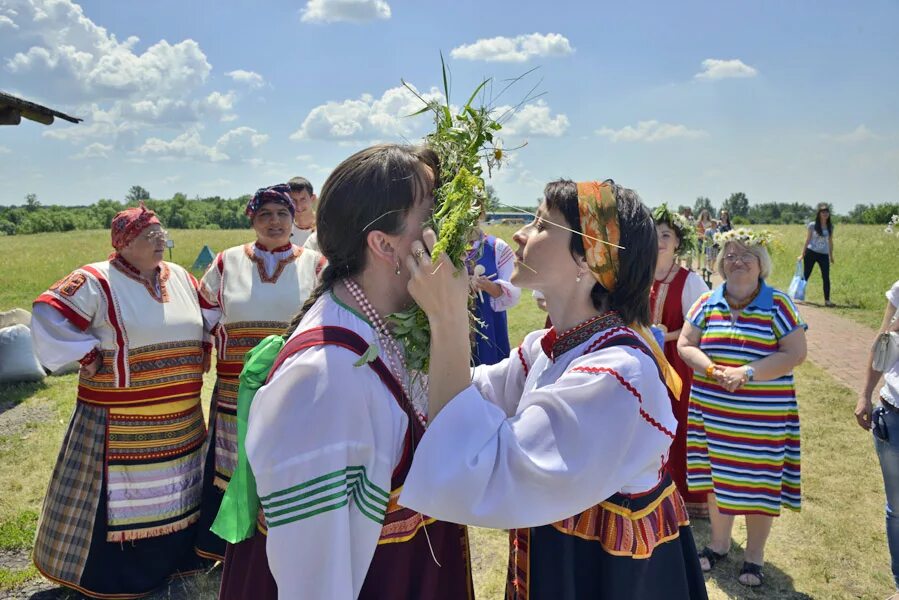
(886, 351)
(796, 291)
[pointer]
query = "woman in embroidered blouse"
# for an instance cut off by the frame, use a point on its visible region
(249, 292)
(120, 515)
(743, 341)
(674, 290)
(564, 442)
(331, 435)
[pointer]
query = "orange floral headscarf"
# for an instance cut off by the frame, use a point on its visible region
(599, 223)
(598, 210)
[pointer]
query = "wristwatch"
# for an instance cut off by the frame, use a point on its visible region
(750, 373)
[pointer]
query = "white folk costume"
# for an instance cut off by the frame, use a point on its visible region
(330, 439)
(565, 443)
(299, 235)
(121, 510)
(248, 293)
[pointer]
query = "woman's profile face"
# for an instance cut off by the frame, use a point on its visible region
(543, 247)
(148, 248)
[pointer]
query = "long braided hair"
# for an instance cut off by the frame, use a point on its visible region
(372, 190)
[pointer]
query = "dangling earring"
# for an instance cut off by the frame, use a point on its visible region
(578, 278)
(397, 271)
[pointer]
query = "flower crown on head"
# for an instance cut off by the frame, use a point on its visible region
(745, 236)
(681, 226)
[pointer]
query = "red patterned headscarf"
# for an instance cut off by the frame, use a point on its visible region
(129, 224)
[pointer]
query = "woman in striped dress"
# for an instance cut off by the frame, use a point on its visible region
(743, 341)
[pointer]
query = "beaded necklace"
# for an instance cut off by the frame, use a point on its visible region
(741, 305)
(394, 354)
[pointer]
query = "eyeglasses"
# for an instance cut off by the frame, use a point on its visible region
(156, 236)
(743, 258)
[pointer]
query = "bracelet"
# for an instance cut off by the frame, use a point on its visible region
(710, 370)
(89, 358)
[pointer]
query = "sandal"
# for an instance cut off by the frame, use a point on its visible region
(711, 556)
(754, 570)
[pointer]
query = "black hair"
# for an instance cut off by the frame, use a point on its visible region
(829, 225)
(300, 184)
(636, 262)
(372, 190)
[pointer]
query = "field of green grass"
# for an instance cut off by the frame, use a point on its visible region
(834, 549)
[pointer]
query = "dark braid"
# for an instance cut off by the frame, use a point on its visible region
(329, 277)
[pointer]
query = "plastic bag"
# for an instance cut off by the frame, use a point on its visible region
(796, 291)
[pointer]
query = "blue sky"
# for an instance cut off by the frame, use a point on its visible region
(784, 101)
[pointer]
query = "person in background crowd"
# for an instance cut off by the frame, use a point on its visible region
(687, 257)
(674, 290)
(249, 292)
(818, 249)
(724, 224)
(565, 441)
(120, 515)
(304, 201)
(490, 262)
(703, 223)
(743, 341)
(331, 435)
(884, 423)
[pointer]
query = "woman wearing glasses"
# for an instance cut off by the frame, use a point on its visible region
(250, 291)
(818, 249)
(120, 515)
(743, 340)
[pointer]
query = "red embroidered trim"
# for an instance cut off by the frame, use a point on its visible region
(523, 362)
(598, 341)
(260, 266)
(273, 250)
(121, 345)
(628, 387)
(75, 318)
(89, 358)
(128, 270)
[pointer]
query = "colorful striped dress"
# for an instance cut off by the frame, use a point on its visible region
(744, 445)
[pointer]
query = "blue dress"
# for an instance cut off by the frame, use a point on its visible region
(491, 344)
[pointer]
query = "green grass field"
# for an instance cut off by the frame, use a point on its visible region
(835, 548)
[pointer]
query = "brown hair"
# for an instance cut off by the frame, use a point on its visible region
(300, 184)
(372, 190)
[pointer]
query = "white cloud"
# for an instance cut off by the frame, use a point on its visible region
(534, 120)
(250, 78)
(651, 131)
(332, 11)
(117, 88)
(859, 134)
(714, 68)
(6, 21)
(365, 119)
(234, 145)
(518, 49)
(95, 150)
(5, 150)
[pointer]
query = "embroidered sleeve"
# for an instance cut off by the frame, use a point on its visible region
(505, 264)
(210, 292)
(605, 424)
(694, 287)
(64, 317)
(786, 316)
(503, 383)
(323, 442)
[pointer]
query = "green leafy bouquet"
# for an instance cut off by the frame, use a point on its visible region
(464, 141)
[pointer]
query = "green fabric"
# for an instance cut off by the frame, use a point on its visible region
(236, 519)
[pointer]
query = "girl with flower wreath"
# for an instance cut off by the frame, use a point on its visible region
(674, 290)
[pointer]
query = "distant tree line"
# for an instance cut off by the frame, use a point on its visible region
(180, 212)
